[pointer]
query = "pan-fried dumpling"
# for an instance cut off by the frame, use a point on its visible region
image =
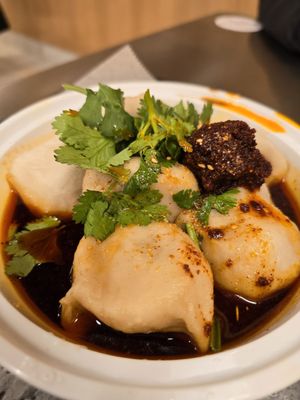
(45, 186)
(253, 251)
(143, 279)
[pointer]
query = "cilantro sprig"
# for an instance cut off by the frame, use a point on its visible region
(35, 244)
(223, 203)
(186, 198)
(146, 174)
(92, 135)
(83, 146)
(105, 111)
(102, 212)
(206, 113)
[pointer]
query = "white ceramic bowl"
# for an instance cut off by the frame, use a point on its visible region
(269, 361)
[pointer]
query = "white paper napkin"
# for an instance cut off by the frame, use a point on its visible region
(121, 66)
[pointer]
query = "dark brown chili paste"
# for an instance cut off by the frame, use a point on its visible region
(225, 156)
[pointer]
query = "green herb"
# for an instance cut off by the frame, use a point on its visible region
(190, 230)
(186, 113)
(144, 177)
(101, 212)
(157, 120)
(186, 198)
(216, 335)
(90, 136)
(206, 113)
(34, 245)
(221, 203)
(84, 146)
(105, 111)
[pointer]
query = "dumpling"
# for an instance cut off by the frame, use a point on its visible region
(143, 279)
(253, 251)
(170, 181)
(277, 160)
(44, 185)
(98, 181)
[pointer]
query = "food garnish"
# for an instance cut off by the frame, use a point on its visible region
(216, 335)
(93, 136)
(222, 203)
(206, 113)
(190, 230)
(101, 212)
(35, 244)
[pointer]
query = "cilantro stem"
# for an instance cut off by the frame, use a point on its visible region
(143, 132)
(192, 233)
(215, 337)
(75, 88)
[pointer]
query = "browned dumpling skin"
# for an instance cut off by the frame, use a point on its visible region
(253, 251)
(45, 186)
(143, 279)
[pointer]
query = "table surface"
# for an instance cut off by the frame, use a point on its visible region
(250, 64)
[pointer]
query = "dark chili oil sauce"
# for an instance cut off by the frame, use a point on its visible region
(48, 283)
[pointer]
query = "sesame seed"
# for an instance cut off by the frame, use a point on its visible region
(210, 167)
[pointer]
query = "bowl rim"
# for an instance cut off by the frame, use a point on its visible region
(47, 361)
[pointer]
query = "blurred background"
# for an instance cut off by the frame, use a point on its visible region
(85, 26)
(40, 34)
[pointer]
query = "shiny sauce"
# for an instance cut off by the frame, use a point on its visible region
(48, 283)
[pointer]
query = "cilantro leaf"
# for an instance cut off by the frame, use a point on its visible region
(144, 216)
(105, 111)
(41, 244)
(84, 146)
(187, 114)
(190, 230)
(84, 203)
(205, 209)
(121, 157)
(101, 212)
(206, 113)
(221, 203)
(169, 150)
(20, 265)
(98, 224)
(148, 197)
(160, 121)
(143, 178)
(43, 223)
(90, 136)
(34, 245)
(90, 112)
(186, 198)
(192, 199)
